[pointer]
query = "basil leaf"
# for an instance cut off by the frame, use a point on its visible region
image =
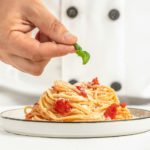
(77, 46)
(83, 54)
(86, 57)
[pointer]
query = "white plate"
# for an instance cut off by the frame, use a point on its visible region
(13, 121)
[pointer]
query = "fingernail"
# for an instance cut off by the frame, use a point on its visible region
(69, 37)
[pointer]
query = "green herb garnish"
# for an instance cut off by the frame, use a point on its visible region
(81, 53)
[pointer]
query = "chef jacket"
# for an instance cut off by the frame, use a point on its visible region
(116, 33)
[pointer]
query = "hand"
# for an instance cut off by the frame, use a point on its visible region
(18, 48)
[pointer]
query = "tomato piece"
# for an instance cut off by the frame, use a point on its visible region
(82, 91)
(95, 81)
(123, 105)
(111, 111)
(62, 106)
(79, 88)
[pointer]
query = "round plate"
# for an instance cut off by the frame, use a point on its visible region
(13, 121)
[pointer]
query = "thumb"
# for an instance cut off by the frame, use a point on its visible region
(49, 25)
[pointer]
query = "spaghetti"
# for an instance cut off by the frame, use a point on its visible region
(82, 102)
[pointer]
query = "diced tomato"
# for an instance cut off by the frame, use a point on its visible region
(79, 88)
(123, 105)
(62, 106)
(111, 111)
(95, 81)
(83, 92)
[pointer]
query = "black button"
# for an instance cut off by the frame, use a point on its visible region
(114, 14)
(116, 86)
(72, 12)
(73, 81)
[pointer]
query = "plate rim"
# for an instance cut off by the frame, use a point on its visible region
(78, 122)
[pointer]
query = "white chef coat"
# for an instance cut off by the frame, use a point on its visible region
(120, 50)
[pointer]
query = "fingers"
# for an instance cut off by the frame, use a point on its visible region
(55, 53)
(28, 66)
(55, 50)
(32, 49)
(49, 25)
(42, 37)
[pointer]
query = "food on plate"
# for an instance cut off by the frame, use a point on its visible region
(81, 102)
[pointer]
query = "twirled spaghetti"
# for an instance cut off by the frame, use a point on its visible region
(82, 102)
